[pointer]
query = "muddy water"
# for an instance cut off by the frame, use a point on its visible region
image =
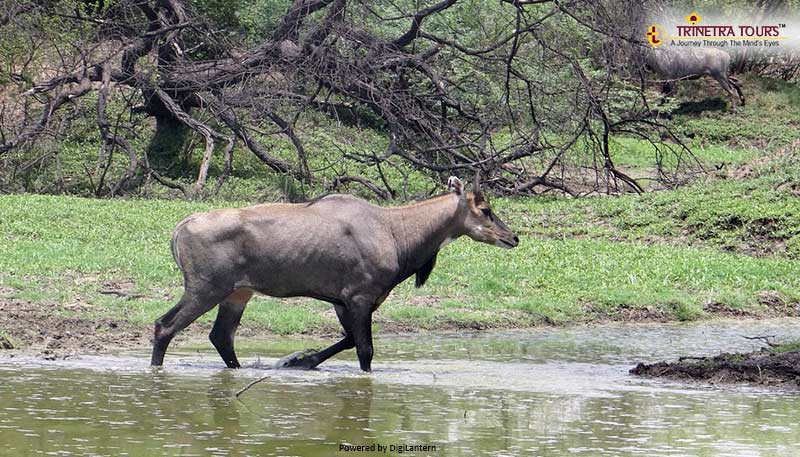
(543, 392)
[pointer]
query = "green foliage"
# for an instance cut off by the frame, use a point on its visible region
(257, 19)
(223, 14)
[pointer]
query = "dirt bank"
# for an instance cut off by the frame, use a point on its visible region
(761, 367)
(52, 330)
(48, 332)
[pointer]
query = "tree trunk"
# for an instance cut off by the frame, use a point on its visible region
(165, 151)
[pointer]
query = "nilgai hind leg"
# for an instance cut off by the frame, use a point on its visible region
(194, 303)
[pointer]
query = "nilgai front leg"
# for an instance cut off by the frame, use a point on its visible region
(224, 330)
(362, 336)
(735, 83)
(722, 79)
(309, 358)
(357, 322)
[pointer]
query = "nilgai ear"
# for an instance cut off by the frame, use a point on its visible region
(455, 185)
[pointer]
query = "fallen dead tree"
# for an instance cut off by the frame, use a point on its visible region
(163, 70)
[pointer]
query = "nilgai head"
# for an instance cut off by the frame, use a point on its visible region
(480, 222)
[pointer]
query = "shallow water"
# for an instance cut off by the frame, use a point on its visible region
(549, 392)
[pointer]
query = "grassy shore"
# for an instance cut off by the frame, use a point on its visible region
(728, 243)
(578, 261)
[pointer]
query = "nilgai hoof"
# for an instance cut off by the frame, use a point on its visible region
(300, 359)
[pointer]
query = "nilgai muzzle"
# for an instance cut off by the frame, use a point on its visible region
(691, 63)
(337, 248)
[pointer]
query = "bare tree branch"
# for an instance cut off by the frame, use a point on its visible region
(516, 99)
(416, 22)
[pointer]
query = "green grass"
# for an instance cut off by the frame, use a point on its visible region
(759, 216)
(718, 240)
(109, 239)
(768, 122)
(788, 346)
(577, 258)
(718, 137)
(555, 278)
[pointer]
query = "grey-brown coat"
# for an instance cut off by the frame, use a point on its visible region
(337, 248)
(691, 63)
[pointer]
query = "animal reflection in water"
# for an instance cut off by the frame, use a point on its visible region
(336, 248)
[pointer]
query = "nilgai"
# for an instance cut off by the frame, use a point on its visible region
(692, 63)
(336, 248)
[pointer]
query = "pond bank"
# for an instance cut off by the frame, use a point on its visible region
(36, 328)
(763, 367)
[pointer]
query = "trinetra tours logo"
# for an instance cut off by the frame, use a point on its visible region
(695, 31)
(654, 32)
(693, 18)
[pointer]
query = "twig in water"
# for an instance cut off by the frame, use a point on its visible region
(251, 385)
(765, 339)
